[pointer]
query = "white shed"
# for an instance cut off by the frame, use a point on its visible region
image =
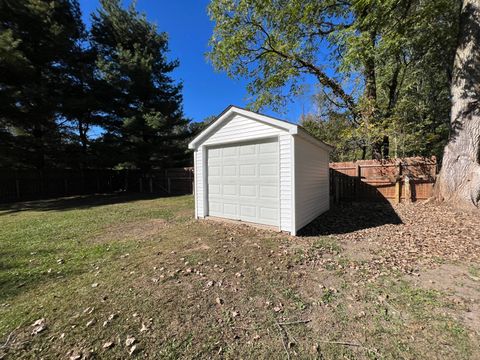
(259, 169)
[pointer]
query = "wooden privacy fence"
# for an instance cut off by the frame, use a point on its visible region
(394, 180)
(31, 184)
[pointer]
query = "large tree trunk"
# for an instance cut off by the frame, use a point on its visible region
(459, 179)
(379, 147)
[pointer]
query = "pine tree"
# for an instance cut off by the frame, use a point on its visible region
(144, 111)
(36, 40)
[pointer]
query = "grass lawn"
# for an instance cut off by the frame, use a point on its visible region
(106, 269)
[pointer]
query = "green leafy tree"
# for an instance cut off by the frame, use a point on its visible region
(372, 59)
(143, 114)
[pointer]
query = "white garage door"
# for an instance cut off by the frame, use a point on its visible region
(243, 182)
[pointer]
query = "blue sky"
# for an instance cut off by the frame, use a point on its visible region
(206, 92)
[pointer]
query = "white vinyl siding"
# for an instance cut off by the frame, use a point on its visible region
(241, 128)
(312, 187)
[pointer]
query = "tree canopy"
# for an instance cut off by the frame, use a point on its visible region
(382, 66)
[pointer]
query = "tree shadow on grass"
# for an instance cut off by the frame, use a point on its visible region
(346, 218)
(73, 202)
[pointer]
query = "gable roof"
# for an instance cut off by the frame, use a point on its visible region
(226, 114)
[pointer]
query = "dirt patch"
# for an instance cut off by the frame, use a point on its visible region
(139, 230)
(461, 287)
(358, 251)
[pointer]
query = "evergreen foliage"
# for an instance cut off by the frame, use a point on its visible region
(72, 97)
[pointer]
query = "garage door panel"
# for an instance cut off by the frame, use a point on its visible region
(248, 149)
(268, 148)
(215, 207)
(229, 170)
(268, 169)
(257, 159)
(214, 154)
(248, 190)
(268, 191)
(230, 209)
(248, 169)
(230, 151)
(268, 213)
(230, 189)
(214, 189)
(215, 170)
(248, 211)
(243, 182)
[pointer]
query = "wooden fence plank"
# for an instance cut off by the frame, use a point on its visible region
(373, 180)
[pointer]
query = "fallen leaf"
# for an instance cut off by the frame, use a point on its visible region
(108, 345)
(39, 326)
(130, 340)
(133, 350)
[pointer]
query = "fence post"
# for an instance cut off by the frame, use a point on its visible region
(337, 189)
(408, 190)
(398, 184)
(398, 190)
(65, 186)
(169, 186)
(358, 179)
(17, 188)
(151, 184)
(140, 184)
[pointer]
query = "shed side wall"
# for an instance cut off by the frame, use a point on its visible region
(312, 187)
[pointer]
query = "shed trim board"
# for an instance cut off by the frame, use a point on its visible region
(246, 169)
(293, 230)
